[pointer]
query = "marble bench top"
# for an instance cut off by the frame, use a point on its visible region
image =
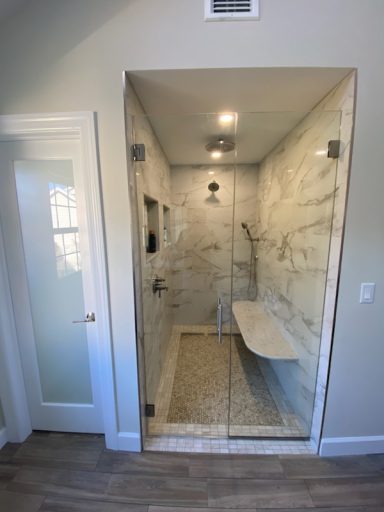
(259, 331)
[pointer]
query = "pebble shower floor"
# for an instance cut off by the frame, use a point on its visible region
(213, 437)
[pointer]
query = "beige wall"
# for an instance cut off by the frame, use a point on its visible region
(63, 56)
(2, 422)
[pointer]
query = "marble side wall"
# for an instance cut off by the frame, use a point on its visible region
(342, 98)
(297, 187)
(202, 231)
(153, 180)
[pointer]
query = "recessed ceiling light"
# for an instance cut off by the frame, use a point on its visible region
(226, 118)
(321, 152)
(211, 172)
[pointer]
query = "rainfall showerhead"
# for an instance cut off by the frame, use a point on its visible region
(213, 186)
(220, 146)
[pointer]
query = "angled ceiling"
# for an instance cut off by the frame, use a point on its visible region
(183, 107)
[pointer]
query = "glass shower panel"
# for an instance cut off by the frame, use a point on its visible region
(185, 197)
(282, 229)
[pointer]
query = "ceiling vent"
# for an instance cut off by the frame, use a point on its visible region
(236, 10)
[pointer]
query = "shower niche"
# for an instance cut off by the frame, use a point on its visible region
(150, 225)
(248, 201)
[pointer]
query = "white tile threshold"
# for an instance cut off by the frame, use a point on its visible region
(230, 446)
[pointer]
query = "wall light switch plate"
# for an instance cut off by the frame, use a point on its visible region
(367, 293)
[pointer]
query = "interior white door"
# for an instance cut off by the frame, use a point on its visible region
(45, 228)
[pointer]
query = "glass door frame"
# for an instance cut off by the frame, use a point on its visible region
(315, 426)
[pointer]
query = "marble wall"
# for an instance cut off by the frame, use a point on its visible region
(297, 186)
(153, 181)
(342, 98)
(202, 231)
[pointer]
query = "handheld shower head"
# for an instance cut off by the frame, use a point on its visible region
(244, 225)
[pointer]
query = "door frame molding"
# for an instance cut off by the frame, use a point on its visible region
(59, 126)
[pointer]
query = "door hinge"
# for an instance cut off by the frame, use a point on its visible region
(150, 410)
(333, 149)
(138, 152)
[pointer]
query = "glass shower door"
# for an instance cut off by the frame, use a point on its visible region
(282, 230)
(184, 194)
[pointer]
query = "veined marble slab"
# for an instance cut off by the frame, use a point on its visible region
(259, 332)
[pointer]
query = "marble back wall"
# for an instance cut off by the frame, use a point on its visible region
(202, 232)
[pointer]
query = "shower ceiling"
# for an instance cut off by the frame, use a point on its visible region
(176, 99)
(184, 138)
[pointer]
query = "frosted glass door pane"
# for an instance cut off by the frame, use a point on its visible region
(47, 206)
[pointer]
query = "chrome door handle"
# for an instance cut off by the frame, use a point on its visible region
(89, 317)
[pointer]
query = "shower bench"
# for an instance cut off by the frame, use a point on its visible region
(259, 332)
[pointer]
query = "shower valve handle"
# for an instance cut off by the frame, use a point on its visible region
(157, 285)
(159, 289)
(158, 279)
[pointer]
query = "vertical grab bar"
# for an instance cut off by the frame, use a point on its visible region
(219, 311)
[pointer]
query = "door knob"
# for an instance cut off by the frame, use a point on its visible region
(89, 317)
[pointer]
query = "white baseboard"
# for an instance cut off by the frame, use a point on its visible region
(314, 445)
(3, 437)
(330, 446)
(129, 441)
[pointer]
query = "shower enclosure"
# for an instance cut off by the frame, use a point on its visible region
(231, 257)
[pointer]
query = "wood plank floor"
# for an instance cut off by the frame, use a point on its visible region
(53, 472)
